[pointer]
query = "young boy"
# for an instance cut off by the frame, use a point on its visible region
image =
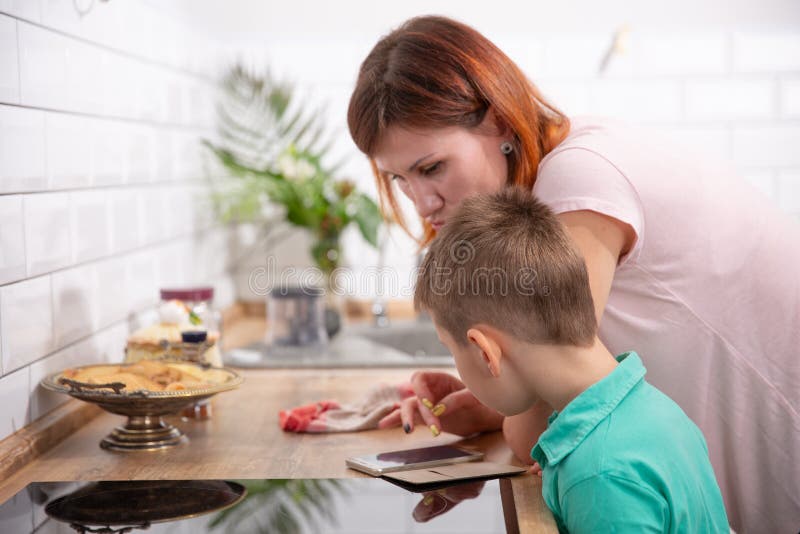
(510, 298)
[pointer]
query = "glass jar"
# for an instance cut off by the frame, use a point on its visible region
(198, 301)
(296, 317)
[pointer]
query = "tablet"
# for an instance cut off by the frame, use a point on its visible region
(387, 462)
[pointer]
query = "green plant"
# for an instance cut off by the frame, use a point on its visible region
(276, 154)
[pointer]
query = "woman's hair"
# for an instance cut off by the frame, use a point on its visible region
(435, 72)
(506, 261)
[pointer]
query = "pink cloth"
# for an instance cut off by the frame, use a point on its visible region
(709, 296)
(330, 416)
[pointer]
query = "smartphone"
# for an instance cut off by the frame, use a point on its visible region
(387, 462)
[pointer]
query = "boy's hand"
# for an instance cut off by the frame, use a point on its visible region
(536, 469)
(442, 403)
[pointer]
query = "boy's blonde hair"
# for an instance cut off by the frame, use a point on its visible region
(504, 260)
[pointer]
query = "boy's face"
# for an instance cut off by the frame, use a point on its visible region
(495, 385)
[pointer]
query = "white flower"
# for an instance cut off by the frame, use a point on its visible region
(287, 166)
(305, 169)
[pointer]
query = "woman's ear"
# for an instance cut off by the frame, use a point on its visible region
(487, 343)
(494, 125)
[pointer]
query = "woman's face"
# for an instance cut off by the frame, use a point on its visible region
(438, 168)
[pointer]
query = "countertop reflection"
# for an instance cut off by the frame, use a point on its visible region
(283, 506)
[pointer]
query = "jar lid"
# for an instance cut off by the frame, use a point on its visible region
(193, 294)
(194, 336)
(295, 292)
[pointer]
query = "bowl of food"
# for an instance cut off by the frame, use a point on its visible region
(144, 392)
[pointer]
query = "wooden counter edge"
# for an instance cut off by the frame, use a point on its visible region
(524, 509)
(33, 440)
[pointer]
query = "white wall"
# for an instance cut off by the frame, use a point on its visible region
(721, 76)
(101, 183)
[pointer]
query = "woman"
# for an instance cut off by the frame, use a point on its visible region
(687, 265)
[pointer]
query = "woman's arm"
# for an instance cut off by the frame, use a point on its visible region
(602, 240)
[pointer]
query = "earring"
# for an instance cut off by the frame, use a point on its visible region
(506, 148)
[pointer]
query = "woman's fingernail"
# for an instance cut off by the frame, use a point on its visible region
(434, 430)
(427, 403)
(407, 428)
(438, 409)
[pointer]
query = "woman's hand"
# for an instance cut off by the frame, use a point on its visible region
(442, 402)
(435, 503)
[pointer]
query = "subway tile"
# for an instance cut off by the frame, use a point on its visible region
(125, 220)
(675, 54)
(141, 162)
(47, 232)
(767, 146)
(74, 304)
(112, 341)
(173, 263)
(164, 155)
(112, 293)
(26, 322)
(156, 215)
(109, 155)
(571, 97)
(141, 280)
(790, 98)
(44, 74)
(64, 16)
(14, 401)
(12, 239)
(638, 100)
(9, 65)
(788, 188)
(22, 150)
(584, 56)
(766, 52)
(69, 150)
(91, 232)
(730, 99)
(24, 9)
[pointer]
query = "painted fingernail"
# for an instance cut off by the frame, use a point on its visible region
(438, 409)
(434, 430)
(407, 428)
(427, 403)
(428, 500)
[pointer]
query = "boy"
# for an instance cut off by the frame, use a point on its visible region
(510, 298)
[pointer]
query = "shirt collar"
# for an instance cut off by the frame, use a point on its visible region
(566, 430)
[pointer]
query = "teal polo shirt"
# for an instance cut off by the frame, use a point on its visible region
(623, 457)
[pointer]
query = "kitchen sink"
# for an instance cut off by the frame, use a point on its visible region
(411, 337)
(401, 344)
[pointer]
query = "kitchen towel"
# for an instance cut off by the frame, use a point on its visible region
(331, 416)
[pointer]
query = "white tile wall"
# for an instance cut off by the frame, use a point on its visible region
(9, 71)
(766, 52)
(90, 229)
(14, 400)
(75, 298)
(47, 232)
(69, 152)
(22, 150)
(99, 123)
(790, 98)
(12, 239)
(730, 99)
(767, 146)
(27, 322)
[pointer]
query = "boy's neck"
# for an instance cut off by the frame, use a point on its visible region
(559, 373)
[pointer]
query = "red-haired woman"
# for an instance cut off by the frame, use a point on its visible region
(688, 266)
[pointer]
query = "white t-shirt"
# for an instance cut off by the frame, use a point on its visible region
(709, 296)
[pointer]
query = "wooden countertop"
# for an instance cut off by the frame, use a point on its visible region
(242, 439)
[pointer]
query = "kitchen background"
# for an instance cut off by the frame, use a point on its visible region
(103, 181)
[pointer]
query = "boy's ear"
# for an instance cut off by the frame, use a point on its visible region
(486, 342)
